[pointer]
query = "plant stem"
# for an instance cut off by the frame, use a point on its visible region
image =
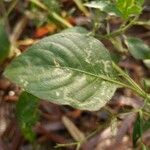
(2, 15)
(106, 78)
(12, 6)
(134, 85)
(81, 7)
(122, 29)
(67, 144)
(62, 20)
(54, 14)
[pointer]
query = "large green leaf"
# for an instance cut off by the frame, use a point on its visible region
(67, 68)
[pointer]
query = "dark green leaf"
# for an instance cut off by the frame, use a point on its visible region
(4, 42)
(138, 48)
(27, 114)
(67, 68)
(146, 125)
(52, 5)
(137, 130)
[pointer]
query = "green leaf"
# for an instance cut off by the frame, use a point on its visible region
(140, 2)
(144, 147)
(137, 130)
(27, 114)
(138, 48)
(147, 62)
(4, 42)
(104, 6)
(76, 29)
(52, 5)
(134, 10)
(146, 83)
(146, 125)
(67, 68)
(129, 8)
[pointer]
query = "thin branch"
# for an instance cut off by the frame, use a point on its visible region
(54, 14)
(81, 7)
(121, 30)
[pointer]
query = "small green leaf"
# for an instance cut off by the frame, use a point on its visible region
(27, 114)
(68, 68)
(4, 42)
(76, 29)
(147, 62)
(144, 147)
(104, 6)
(129, 8)
(147, 83)
(140, 2)
(138, 48)
(137, 130)
(146, 125)
(134, 10)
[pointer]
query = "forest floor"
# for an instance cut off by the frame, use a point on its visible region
(52, 129)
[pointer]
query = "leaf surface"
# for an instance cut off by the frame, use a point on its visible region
(104, 6)
(138, 48)
(27, 114)
(137, 130)
(68, 68)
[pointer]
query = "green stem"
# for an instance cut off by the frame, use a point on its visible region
(12, 6)
(106, 78)
(136, 87)
(54, 14)
(62, 20)
(96, 22)
(3, 11)
(122, 29)
(81, 7)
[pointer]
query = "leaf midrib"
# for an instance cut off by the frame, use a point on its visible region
(106, 78)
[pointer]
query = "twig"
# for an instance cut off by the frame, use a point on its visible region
(54, 14)
(12, 6)
(81, 7)
(2, 15)
(121, 30)
(18, 29)
(77, 144)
